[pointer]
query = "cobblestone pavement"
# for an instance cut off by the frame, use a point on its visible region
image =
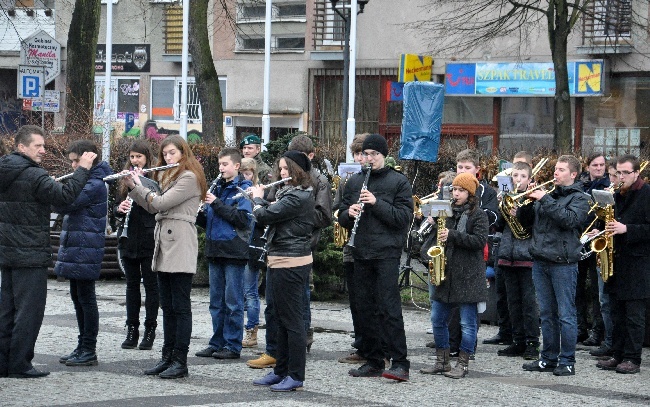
(118, 379)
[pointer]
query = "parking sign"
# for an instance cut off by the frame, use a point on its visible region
(30, 81)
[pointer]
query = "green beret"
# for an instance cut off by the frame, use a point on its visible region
(250, 139)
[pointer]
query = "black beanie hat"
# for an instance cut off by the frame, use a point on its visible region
(376, 142)
(299, 158)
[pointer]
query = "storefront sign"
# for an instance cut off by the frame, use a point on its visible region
(586, 78)
(41, 49)
(395, 92)
(125, 58)
(415, 68)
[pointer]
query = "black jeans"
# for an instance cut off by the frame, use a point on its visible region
(588, 298)
(83, 297)
(348, 269)
(140, 269)
(378, 294)
(176, 305)
(628, 317)
(22, 307)
(522, 303)
(288, 285)
(503, 314)
(270, 318)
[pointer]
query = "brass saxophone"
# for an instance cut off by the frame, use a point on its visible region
(604, 246)
(438, 261)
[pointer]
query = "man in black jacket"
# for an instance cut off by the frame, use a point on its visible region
(557, 220)
(629, 287)
(383, 211)
(26, 193)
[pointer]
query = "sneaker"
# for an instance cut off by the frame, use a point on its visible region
(353, 358)
(287, 384)
(269, 380)
(225, 354)
(532, 351)
(516, 349)
(262, 362)
(206, 353)
(366, 370)
(396, 373)
(538, 366)
(603, 350)
(564, 370)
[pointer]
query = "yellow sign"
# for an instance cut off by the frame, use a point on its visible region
(589, 77)
(415, 68)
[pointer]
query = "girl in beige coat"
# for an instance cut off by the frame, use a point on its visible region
(176, 246)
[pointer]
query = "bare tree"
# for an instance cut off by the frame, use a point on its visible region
(82, 44)
(466, 25)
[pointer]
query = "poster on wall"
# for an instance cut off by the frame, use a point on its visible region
(128, 97)
(124, 58)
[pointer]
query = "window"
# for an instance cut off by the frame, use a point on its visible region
(124, 97)
(612, 18)
(166, 99)
(100, 98)
(278, 43)
(290, 43)
(288, 20)
(292, 10)
(247, 12)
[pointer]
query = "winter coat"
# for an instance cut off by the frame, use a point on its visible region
(382, 228)
(588, 185)
(631, 279)
(465, 271)
(228, 222)
(26, 193)
(84, 229)
(323, 209)
(512, 249)
(557, 223)
(140, 242)
(290, 219)
(176, 244)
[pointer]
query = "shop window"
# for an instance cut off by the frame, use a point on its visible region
(166, 99)
(467, 110)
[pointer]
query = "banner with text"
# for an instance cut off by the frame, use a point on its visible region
(586, 78)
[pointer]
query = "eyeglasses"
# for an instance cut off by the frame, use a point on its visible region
(372, 154)
(619, 173)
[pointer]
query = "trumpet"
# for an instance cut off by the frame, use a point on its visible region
(146, 170)
(514, 200)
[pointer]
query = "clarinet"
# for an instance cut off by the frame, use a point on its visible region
(204, 207)
(356, 220)
(125, 224)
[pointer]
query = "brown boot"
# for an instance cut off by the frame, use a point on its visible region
(250, 340)
(442, 363)
(460, 370)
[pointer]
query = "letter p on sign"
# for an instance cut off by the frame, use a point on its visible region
(31, 86)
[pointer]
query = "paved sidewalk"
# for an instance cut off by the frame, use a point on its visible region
(118, 379)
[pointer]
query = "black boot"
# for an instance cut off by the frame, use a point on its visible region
(148, 337)
(132, 336)
(163, 364)
(178, 368)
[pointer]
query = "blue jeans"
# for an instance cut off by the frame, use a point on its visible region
(251, 296)
(440, 318)
(606, 312)
(555, 286)
(226, 305)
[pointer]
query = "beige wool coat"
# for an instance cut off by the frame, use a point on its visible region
(177, 245)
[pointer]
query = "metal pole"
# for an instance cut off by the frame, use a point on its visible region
(346, 75)
(106, 139)
(184, 68)
(266, 118)
(352, 77)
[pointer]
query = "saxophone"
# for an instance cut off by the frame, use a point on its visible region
(604, 246)
(438, 261)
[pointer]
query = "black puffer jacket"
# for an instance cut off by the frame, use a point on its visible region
(26, 193)
(510, 248)
(557, 221)
(290, 219)
(382, 228)
(465, 271)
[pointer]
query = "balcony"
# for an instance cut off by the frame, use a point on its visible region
(607, 28)
(328, 31)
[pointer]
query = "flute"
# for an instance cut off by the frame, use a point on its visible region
(283, 180)
(146, 170)
(62, 177)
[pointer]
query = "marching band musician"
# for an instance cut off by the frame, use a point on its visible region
(593, 179)
(136, 251)
(515, 264)
(176, 250)
(382, 228)
(290, 219)
(629, 287)
(251, 147)
(82, 250)
(556, 219)
(464, 286)
(26, 193)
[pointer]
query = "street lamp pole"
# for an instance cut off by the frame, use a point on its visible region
(106, 135)
(266, 117)
(184, 68)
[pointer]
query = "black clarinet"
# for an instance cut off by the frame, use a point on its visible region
(213, 186)
(356, 220)
(265, 249)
